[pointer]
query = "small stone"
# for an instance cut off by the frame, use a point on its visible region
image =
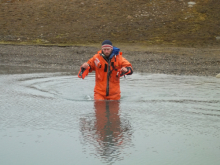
(218, 38)
(129, 17)
(191, 3)
(218, 75)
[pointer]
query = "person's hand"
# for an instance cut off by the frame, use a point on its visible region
(85, 65)
(124, 70)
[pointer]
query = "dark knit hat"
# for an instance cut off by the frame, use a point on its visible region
(107, 44)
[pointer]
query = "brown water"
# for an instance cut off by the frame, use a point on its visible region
(51, 118)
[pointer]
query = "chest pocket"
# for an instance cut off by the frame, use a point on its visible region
(98, 68)
(115, 68)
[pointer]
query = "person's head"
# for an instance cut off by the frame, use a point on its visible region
(107, 47)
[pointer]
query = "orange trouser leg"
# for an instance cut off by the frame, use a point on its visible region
(97, 96)
(114, 97)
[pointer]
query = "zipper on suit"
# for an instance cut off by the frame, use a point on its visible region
(108, 71)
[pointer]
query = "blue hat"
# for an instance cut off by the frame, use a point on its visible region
(107, 42)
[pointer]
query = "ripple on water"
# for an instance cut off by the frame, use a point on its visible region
(157, 117)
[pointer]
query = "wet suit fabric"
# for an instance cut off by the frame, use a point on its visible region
(107, 83)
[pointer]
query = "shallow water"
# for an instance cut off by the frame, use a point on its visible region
(51, 118)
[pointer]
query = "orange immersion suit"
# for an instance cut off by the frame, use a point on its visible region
(107, 86)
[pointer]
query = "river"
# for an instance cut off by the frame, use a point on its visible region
(52, 119)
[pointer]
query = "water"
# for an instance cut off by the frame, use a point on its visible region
(52, 119)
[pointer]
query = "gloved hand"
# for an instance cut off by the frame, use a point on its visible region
(83, 72)
(124, 71)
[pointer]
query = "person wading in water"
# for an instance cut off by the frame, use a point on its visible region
(109, 66)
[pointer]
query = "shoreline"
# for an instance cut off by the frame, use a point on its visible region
(144, 59)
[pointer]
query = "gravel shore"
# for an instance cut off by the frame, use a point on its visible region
(156, 59)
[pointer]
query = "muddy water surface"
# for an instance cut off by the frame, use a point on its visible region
(51, 118)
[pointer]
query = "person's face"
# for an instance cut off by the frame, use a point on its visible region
(107, 51)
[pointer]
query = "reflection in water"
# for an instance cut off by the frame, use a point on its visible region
(106, 131)
(51, 119)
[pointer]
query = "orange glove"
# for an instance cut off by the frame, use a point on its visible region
(120, 73)
(83, 72)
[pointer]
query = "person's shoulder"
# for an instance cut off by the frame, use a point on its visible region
(119, 54)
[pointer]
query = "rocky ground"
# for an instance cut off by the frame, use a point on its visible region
(154, 59)
(151, 31)
(173, 22)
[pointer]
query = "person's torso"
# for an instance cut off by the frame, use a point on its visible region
(107, 73)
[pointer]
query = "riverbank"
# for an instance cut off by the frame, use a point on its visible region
(153, 22)
(144, 59)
